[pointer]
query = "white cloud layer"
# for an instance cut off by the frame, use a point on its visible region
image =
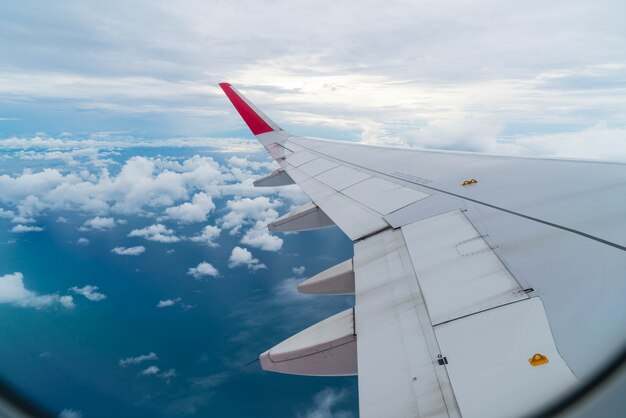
(14, 292)
(142, 185)
(243, 257)
(133, 251)
(203, 269)
(405, 70)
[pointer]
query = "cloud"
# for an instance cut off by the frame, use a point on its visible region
(156, 232)
(195, 211)
(256, 213)
(142, 184)
(245, 163)
(18, 229)
(203, 269)
(207, 236)
(13, 292)
(149, 371)
(139, 359)
(82, 241)
(259, 237)
(325, 405)
(243, 211)
(6, 214)
(98, 223)
(243, 257)
(167, 302)
(168, 375)
(244, 169)
(129, 250)
(149, 187)
(109, 140)
(71, 413)
(298, 271)
(90, 292)
(347, 78)
(66, 301)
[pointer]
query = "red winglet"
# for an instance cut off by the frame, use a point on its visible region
(255, 122)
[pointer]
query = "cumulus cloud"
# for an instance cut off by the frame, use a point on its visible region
(298, 271)
(140, 249)
(167, 303)
(18, 229)
(6, 214)
(256, 213)
(143, 184)
(167, 375)
(88, 291)
(138, 359)
(156, 232)
(149, 371)
(207, 236)
(243, 257)
(203, 269)
(14, 292)
(66, 301)
(153, 187)
(195, 211)
(98, 223)
(82, 241)
(259, 237)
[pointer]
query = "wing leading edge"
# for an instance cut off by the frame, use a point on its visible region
(467, 293)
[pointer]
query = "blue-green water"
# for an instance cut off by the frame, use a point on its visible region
(68, 358)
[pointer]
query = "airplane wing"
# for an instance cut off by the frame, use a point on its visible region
(485, 286)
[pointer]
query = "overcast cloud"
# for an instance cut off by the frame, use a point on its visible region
(483, 75)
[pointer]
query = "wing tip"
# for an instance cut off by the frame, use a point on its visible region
(254, 118)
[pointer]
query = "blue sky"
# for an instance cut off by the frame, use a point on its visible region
(130, 231)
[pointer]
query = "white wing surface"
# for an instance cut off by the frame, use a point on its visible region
(485, 286)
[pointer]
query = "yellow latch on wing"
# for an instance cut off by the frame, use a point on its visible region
(538, 360)
(468, 182)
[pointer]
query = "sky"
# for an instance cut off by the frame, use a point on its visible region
(136, 273)
(530, 78)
